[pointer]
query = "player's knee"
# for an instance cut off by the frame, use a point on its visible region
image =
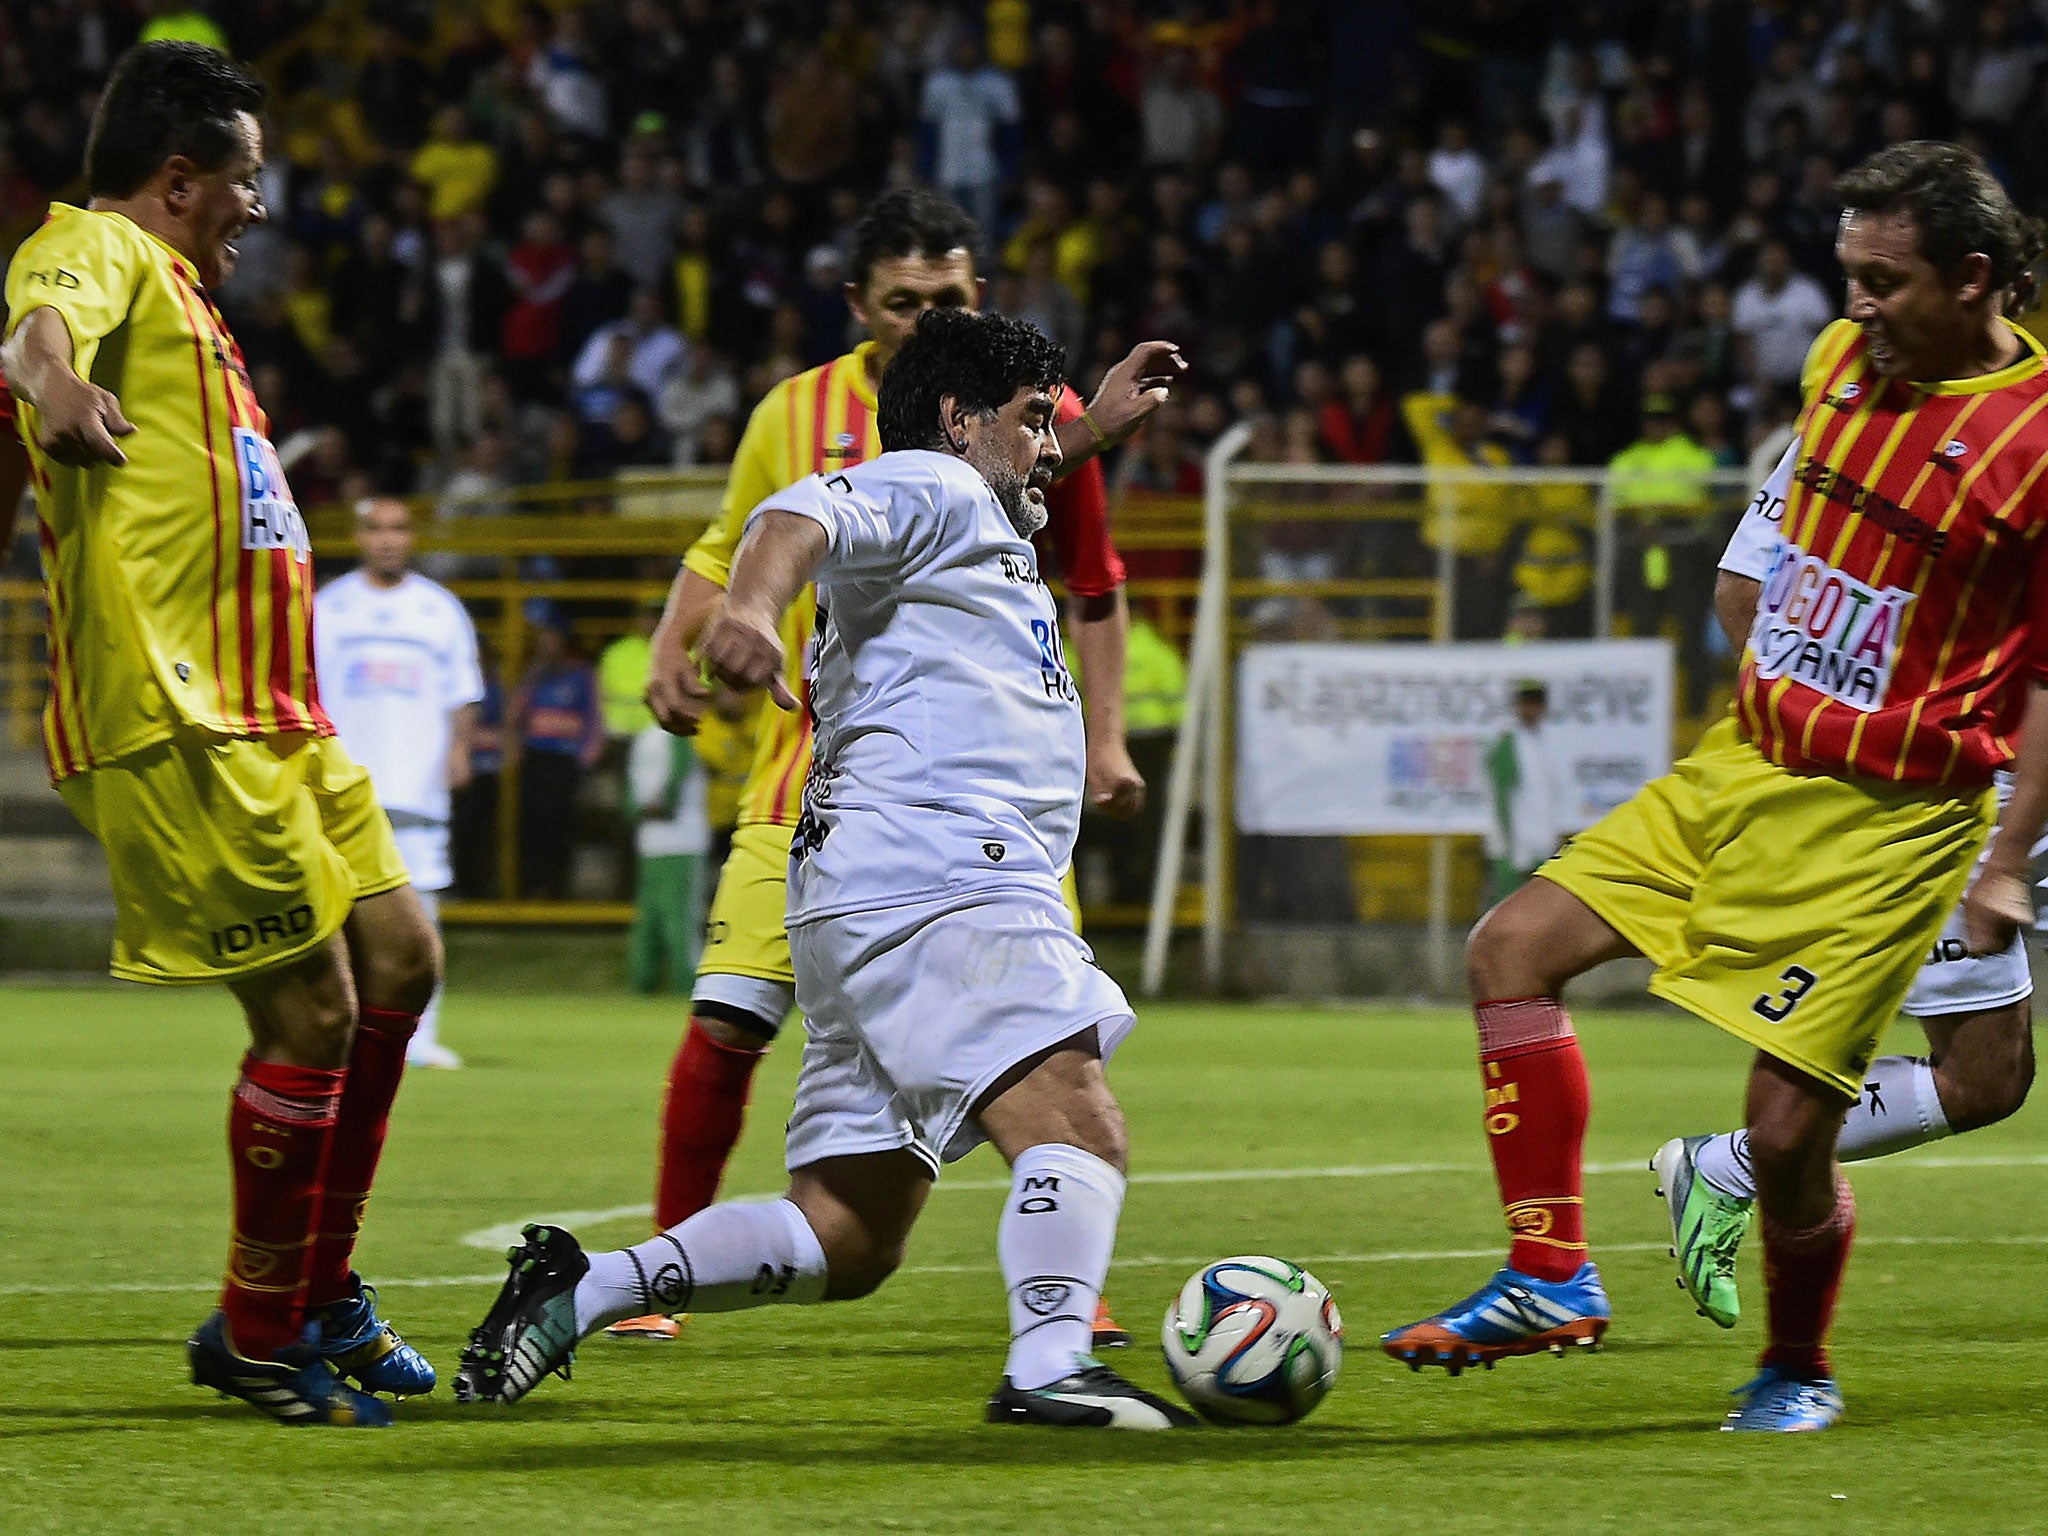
(1501, 953)
(404, 970)
(857, 1262)
(1987, 1086)
(724, 1029)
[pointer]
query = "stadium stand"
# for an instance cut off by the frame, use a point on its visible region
(517, 247)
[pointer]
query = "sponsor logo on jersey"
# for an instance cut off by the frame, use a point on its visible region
(1846, 397)
(995, 852)
(1950, 455)
(843, 446)
(270, 518)
(1821, 627)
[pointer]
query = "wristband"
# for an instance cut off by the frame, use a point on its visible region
(1088, 421)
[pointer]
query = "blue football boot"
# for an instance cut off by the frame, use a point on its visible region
(357, 1342)
(298, 1387)
(1512, 1314)
(1777, 1401)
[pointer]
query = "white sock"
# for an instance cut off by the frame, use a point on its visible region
(1900, 1108)
(743, 1253)
(1054, 1241)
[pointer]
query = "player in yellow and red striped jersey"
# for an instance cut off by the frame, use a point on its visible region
(1789, 877)
(913, 251)
(184, 726)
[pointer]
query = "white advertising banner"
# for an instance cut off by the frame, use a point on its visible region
(1346, 739)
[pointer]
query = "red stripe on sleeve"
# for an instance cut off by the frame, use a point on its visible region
(819, 404)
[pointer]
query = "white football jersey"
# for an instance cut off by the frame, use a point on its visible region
(393, 662)
(949, 752)
(1755, 538)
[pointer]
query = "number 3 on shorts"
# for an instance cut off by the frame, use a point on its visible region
(1799, 981)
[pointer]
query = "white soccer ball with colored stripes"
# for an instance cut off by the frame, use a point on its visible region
(1253, 1340)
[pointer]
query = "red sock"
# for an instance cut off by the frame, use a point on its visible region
(708, 1084)
(1802, 1278)
(280, 1129)
(375, 1064)
(1536, 1109)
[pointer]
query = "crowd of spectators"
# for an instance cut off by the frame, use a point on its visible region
(520, 245)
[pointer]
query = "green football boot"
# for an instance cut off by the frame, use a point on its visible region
(1707, 1228)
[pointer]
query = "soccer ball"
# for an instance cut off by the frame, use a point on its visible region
(1253, 1340)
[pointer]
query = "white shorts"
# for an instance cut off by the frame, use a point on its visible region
(424, 847)
(1955, 981)
(912, 1014)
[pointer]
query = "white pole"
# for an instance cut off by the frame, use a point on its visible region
(1205, 665)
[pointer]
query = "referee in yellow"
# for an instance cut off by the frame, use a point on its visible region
(184, 726)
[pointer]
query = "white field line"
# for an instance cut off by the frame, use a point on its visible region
(505, 1234)
(508, 1233)
(1188, 1261)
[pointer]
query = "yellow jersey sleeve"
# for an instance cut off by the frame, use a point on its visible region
(87, 270)
(757, 474)
(1826, 351)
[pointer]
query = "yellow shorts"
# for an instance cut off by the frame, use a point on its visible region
(1793, 910)
(745, 934)
(229, 856)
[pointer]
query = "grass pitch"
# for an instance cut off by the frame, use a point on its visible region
(1347, 1140)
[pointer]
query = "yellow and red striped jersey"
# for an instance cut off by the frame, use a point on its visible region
(1906, 607)
(816, 422)
(180, 584)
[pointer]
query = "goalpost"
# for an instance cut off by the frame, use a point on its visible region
(1370, 565)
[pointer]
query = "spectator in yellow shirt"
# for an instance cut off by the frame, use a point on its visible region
(457, 170)
(1661, 487)
(1472, 519)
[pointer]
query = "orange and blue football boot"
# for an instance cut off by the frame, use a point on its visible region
(1512, 1314)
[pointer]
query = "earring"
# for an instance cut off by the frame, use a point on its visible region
(960, 443)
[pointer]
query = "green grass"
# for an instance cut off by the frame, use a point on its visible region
(866, 1417)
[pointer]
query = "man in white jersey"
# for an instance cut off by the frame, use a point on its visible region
(949, 1000)
(396, 658)
(1974, 1008)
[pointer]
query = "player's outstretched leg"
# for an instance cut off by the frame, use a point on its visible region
(705, 1109)
(1981, 1069)
(1549, 1295)
(742, 1253)
(1809, 1220)
(1059, 1127)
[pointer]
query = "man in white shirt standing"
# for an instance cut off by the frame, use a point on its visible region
(948, 999)
(1531, 794)
(1777, 314)
(396, 657)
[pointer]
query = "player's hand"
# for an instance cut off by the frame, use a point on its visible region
(459, 770)
(1995, 909)
(1136, 387)
(77, 422)
(744, 650)
(1115, 787)
(676, 691)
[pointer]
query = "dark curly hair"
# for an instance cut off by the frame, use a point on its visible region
(909, 221)
(1957, 204)
(980, 360)
(166, 99)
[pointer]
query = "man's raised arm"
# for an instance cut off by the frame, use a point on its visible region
(743, 643)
